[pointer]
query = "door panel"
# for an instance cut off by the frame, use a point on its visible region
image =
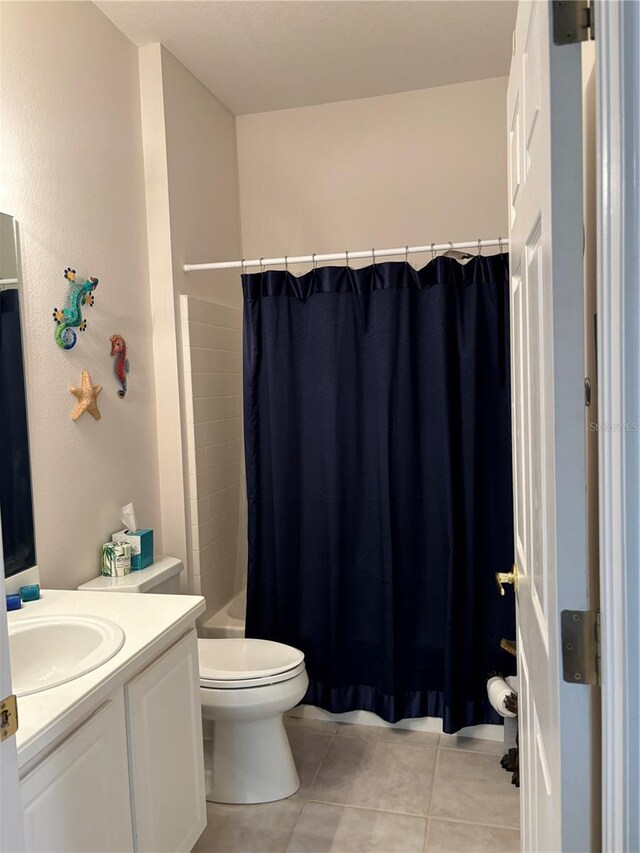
(531, 80)
(11, 830)
(515, 154)
(545, 195)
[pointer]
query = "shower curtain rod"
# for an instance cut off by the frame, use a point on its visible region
(347, 256)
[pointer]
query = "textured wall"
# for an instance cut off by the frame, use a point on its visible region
(72, 174)
(203, 184)
(192, 214)
(417, 167)
(212, 359)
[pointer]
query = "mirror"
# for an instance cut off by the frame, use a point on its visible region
(16, 506)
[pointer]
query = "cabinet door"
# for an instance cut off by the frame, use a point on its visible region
(77, 800)
(166, 751)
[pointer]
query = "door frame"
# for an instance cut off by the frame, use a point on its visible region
(618, 120)
(11, 817)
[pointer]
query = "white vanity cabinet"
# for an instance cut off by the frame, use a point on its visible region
(131, 777)
(166, 760)
(77, 798)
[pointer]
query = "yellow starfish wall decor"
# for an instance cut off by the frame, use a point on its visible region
(87, 395)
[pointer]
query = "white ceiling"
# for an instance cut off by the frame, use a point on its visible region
(259, 55)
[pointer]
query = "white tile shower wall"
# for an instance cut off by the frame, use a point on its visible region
(212, 375)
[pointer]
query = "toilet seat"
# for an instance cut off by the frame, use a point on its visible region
(235, 663)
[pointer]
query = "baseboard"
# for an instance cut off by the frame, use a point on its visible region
(422, 724)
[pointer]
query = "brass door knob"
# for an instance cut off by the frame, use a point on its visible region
(507, 577)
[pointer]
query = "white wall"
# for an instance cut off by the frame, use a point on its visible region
(413, 168)
(171, 453)
(72, 174)
(203, 185)
(193, 214)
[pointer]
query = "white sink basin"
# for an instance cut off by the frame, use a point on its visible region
(50, 650)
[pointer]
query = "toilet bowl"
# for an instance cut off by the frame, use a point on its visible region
(246, 685)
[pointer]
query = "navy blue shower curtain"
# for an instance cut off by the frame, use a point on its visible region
(15, 473)
(378, 453)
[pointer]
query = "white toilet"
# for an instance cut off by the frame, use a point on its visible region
(246, 685)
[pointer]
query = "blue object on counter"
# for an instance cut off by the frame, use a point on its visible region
(31, 592)
(14, 602)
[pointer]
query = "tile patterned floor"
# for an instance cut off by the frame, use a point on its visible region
(368, 789)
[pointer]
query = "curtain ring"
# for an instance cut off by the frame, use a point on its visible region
(346, 252)
(433, 252)
(373, 256)
(406, 254)
(479, 247)
(242, 267)
(313, 261)
(500, 244)
(286, 263)
(451, 247)
(261, 265)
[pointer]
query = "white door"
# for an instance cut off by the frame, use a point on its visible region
(545, 185)
(11, 829)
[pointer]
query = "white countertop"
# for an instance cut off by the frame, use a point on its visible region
(151, 623)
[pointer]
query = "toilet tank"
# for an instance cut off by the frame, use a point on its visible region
(162, 576)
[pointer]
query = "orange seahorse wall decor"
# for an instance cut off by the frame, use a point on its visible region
(121, 364)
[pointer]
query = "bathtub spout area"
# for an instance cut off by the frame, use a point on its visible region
(228, 621)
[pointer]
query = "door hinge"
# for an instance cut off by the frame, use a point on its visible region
(580, 632)
(573, 21)
(8, 717)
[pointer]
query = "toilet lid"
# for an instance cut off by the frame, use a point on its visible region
(235, 660)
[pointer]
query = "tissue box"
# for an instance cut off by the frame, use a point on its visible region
(141, 542)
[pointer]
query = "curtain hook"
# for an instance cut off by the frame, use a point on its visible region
(346, 252)
(313, 261)
(261, 265)
(479, 247)
(500, 244)
(373, 256)
(433, 252)
(242, 267)
(451, 247)
(406, 254)
(286, 263)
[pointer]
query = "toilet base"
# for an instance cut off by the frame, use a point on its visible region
(247, 756)
(248, 762)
